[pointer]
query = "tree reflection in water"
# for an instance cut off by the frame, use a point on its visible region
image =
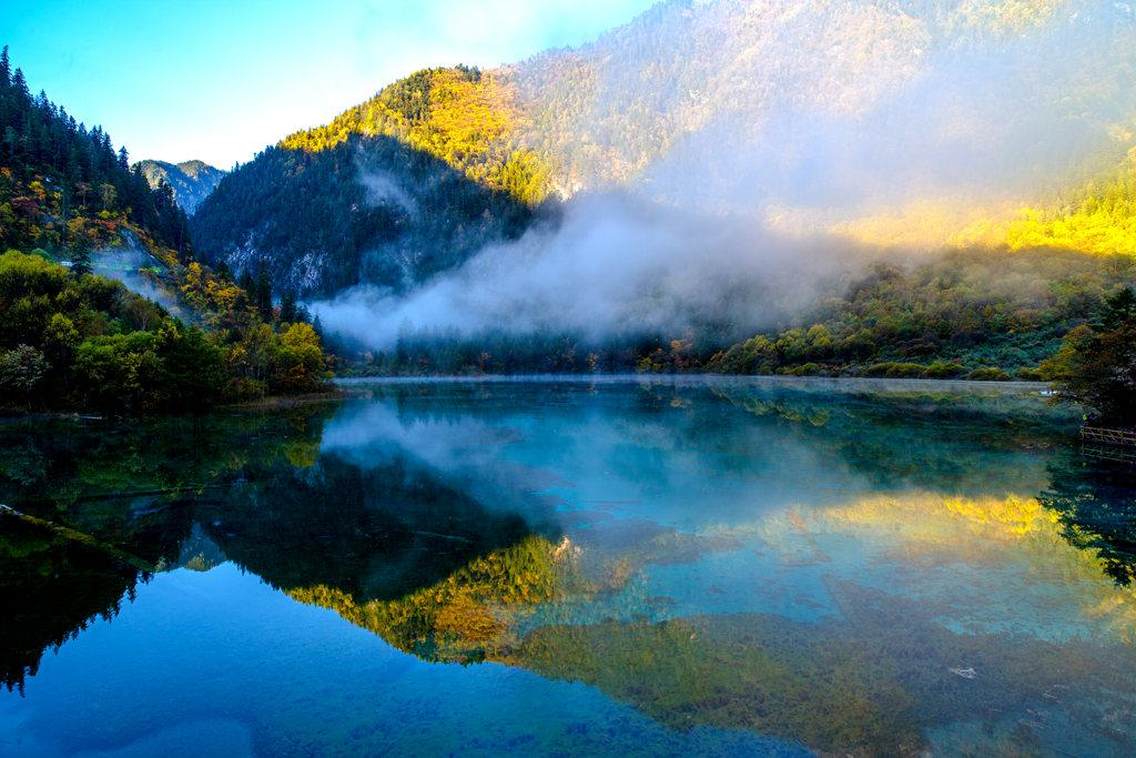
(457, 523)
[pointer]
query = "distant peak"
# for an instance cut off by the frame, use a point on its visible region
(191, 180)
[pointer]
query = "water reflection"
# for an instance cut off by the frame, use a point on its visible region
(94, 509)
(846, 570)
(1095, 500)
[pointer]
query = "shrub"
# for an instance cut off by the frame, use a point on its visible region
(988, 374)
(894, 370)
(944, 370)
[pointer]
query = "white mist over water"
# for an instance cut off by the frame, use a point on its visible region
(614, 266)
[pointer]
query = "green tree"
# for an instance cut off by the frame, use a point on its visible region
(1096, 365)
(288, 313)
(21, 371)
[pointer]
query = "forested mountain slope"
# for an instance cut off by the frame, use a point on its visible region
(410, 183)
(62, 185)
(191, 181)
(70, 338)
(834, 133)
(861, 118)
(365, 209)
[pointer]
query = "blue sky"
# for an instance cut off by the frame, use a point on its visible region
(220, 80)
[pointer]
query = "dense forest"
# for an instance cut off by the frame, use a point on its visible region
(71, 339)
(971, 313)
(980, 313)
(365, 211)
(411, 183)
(461, 116)
(76, 340)
(64, 188)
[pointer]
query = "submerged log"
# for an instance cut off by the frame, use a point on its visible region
(82, 538)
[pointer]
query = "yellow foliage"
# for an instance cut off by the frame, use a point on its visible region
(991, 530)
(1100, 220)
(470, 122)
(1005, 16)
(463, 616)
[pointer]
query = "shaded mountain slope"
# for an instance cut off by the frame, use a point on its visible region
(362, 210)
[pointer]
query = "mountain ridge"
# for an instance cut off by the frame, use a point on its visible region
(844, 127)
(191, 181)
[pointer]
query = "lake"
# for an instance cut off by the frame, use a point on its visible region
(601, 566)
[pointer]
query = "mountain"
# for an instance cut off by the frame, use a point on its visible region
(102, 304)
(64, 188)
(191, 181)
(861, 117)
(371, 210)
(771, 141)
(409, 184)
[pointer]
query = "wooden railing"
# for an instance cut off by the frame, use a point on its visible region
(1125, 437)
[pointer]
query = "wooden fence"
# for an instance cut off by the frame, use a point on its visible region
(1098, 435)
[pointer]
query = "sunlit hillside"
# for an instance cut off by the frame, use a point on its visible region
(460, 115)
(1095, 216)
(1098, 218)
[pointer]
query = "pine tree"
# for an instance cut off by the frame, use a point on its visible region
(40, 142)
(5, 68)
(264, 293)
(248, 284)
(288, 314)
(81, 261)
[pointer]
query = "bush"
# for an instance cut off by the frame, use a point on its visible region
(893, 370)
(944, 370)
(988, 374)
(807, 369)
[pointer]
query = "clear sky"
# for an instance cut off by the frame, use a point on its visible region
(218, 80)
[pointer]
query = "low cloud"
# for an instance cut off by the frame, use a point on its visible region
(614, 266)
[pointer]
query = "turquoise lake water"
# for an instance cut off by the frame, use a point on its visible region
(620, 566)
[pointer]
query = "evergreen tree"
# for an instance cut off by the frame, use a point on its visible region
(248, 284)
(288, 313)
(81, 261)
(57, 168)
(263, 293)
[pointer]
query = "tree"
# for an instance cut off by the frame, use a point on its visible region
(299, 364)
(1096, 365)
(21, 371)
(288, 312)
(81, 260)
(263, 294)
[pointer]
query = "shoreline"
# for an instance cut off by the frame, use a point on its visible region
(343, 388)
(837, 383)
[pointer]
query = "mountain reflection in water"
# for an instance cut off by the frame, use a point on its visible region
(840, 570)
